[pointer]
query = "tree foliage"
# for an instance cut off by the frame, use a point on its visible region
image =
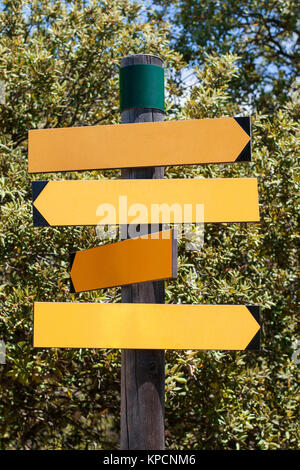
(242, 400)
(263, 33)
(59, 64)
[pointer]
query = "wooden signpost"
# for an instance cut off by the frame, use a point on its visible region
(147, 258)
(142, 325)
(145, 326)
(176, 143)
(142, 370)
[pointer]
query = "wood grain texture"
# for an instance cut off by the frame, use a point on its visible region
(143, 371)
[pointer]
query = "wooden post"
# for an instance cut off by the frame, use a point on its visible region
(143, 371)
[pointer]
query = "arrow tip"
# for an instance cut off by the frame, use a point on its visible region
(245, 155)
(37, 188)
(254, 344)
(38, 219)
(245, 123)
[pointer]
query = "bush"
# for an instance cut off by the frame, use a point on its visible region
(59, 63)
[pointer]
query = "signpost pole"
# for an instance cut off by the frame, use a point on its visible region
(143, 371)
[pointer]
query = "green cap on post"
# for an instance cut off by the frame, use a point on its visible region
(142, 86)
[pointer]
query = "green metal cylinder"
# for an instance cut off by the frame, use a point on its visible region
(142, 86)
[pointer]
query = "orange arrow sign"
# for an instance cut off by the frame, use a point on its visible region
(79, 202)
(145, 326)
(175, 142)
(148, 258)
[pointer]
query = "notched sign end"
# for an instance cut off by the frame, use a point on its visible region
(246, 153)
(254, 344)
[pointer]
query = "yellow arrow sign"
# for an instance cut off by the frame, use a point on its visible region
(145, 326)
(175, 143)
(145, 201)
(142, 259)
